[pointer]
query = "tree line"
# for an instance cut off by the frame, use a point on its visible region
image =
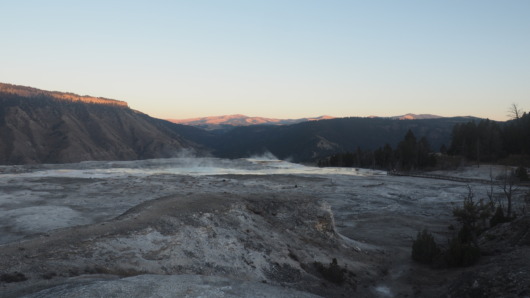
(410, 154)
(475, 141)
(490, 141)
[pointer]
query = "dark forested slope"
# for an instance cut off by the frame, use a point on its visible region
(311, 140)
(39, 126)
(52, 127)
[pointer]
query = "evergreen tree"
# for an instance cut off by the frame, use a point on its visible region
(407, 152)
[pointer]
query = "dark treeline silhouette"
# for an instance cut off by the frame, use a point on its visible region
(490, 141)
(475, 141)
(410, 154)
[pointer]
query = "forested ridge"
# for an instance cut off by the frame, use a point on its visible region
(48, 126)
(474, 141)
(47, 129)
(489, 141)
(315, 140)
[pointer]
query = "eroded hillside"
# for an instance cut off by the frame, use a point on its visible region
(52, 127)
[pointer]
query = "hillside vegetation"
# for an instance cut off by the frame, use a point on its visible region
(46, 128)
(38, 126)
(310, 141)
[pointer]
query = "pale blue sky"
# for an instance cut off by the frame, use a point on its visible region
(283, 59)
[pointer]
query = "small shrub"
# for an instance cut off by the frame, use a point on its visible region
(465, 234)
(424, 249)
(333, 273)
(521, 174)
(13, 277)
(473, 214)
(461, 254)
(498, 217)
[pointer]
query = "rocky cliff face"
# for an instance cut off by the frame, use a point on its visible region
(37, 93)
(52, 127)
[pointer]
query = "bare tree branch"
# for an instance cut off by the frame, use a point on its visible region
(514, 112)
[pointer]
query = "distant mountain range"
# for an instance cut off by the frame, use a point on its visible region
(38, 126)
(230, 121)
(415, 117)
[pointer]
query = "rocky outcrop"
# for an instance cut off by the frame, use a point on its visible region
(35, 93)
(51, 127)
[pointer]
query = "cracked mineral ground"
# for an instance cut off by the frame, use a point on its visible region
(207, 227)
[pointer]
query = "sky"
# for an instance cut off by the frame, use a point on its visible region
(278, 59)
